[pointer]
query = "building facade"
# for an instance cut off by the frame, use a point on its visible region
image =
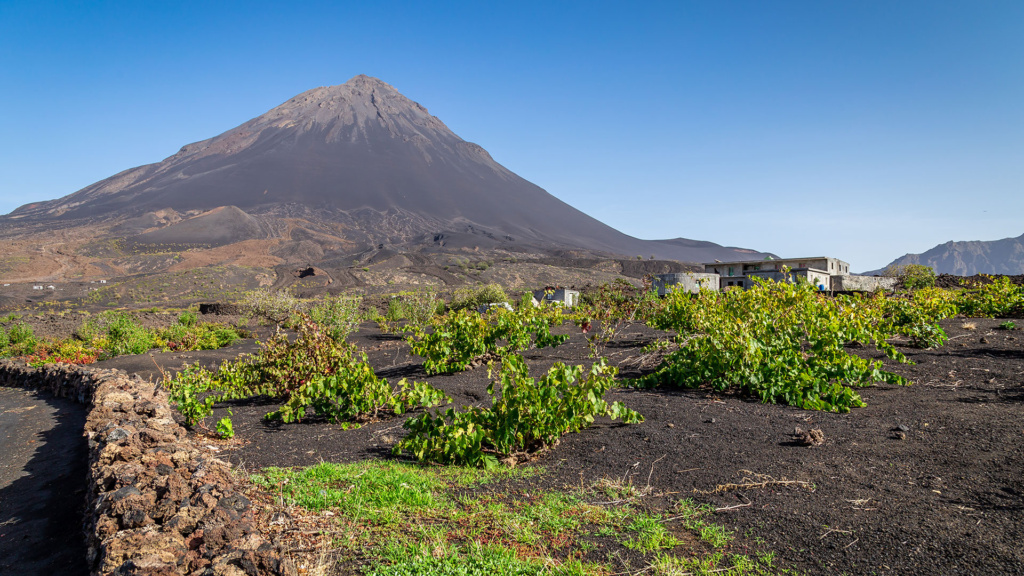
(818, 270)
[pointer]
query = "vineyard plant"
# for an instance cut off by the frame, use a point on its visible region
(530, 414)
(313, 371)
(459, 337)
(784, 343)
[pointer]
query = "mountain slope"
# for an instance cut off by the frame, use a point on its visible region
(364, 165)
(968, 258)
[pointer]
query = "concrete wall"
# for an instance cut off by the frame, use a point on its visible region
(723, 270)
(854, 283)
(733, 282)
(818, 278)
(690, 282)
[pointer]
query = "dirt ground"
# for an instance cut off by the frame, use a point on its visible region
(927, 479)
(43, 473)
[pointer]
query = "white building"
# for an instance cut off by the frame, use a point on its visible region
(562, 296)
(818, 270)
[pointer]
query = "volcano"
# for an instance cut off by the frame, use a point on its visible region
(340, 169)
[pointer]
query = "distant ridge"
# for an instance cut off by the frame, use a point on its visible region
(968, 258)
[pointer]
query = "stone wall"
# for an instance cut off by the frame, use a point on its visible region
(157, 503)
(854, 283)
(691, 282)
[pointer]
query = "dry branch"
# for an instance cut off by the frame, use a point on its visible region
(753, 480)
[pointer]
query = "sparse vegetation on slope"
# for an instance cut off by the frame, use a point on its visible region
(111, 334)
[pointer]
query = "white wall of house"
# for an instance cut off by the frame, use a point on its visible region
(832, 266)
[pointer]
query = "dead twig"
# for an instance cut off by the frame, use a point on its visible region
(734, 507)
(163, 375)
(834, 530)
(651, 473)
(753, 480)
(648, 360)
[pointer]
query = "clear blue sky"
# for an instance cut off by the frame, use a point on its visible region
(858, 129)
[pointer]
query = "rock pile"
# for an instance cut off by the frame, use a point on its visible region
(158, 503)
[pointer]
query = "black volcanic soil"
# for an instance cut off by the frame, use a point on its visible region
(943, 496)
(43, 471)
(954, 281)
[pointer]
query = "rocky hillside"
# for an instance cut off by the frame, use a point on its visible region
(968, 258)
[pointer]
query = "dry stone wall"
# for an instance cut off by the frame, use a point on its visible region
(157, 502)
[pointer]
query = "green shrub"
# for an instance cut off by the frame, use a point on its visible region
(187, 319)
(529, 415)
(418, 308)
(474, 297)
(89, 330)
(274, 305)
(912, 276)
(126, 336)
(460, 337)
(202, 336)
(1008, 325)
(313, 371)
(67, 351)
(18, 340)
(613, 306)
(225, 429)
(916, 318)
(994, 299)
(338, 316)
(937, 303)
(780, 342)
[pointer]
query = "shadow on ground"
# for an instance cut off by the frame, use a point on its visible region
(43, 472)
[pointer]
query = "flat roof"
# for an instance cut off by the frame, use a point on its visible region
(773, 260)
(752, 272)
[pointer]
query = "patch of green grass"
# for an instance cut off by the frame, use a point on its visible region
(470, 560)
(717, 564)
(715, 535)
(649, 534)
(694, 518)
(355, 490)
(378, 487)
(405, 518)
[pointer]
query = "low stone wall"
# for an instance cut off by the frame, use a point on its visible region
(691, 282)
(157, 503)
(855, 283)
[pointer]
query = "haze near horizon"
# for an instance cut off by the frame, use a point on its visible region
(861, 132)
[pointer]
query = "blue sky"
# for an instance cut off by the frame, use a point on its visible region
(860, 129)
